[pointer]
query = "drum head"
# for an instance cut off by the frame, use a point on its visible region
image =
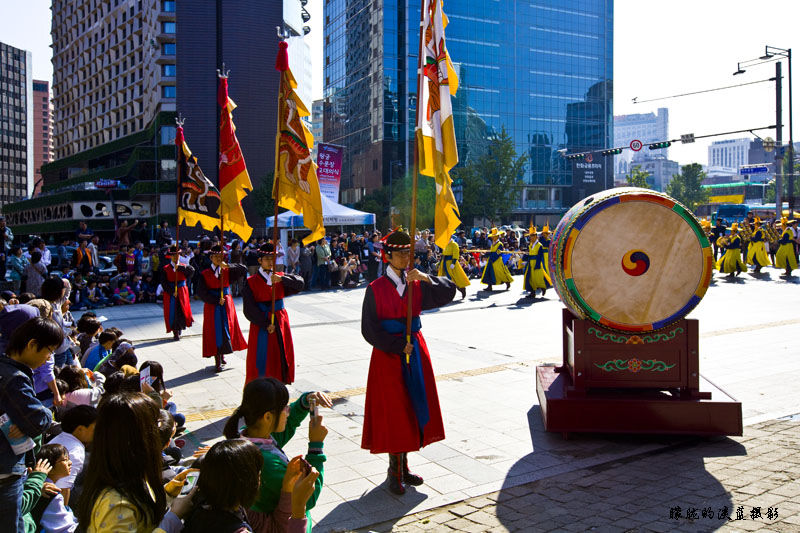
(638, 264)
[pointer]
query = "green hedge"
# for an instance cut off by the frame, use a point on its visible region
(151, 187)
(165, 117)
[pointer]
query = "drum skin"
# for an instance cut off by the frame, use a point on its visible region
(630, 259)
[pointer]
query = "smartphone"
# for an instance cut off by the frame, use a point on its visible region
(306, 467)
(314, 408)
(191, 481)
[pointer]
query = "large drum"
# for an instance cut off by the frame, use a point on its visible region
(630, 259)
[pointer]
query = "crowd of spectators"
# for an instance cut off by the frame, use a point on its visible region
(89, 437)
(128, 269)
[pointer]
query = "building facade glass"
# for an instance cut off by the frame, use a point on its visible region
(541, 69)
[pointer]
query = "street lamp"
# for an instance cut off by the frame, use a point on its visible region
(773, 53)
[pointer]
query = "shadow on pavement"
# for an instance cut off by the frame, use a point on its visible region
(193, 377)
(378, 505)
(155, 342)
(603, 479)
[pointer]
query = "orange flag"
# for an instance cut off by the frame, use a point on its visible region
(234, 181)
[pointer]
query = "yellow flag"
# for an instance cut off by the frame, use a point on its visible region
(295, 187)
(436, 137)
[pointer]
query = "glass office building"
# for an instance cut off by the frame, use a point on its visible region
(541, 69)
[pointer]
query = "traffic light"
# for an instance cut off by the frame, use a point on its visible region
(578, 155)
(658, 146)
(612, 151)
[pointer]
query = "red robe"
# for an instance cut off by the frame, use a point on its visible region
(269, 355)
(390, 421)
(219, 337)
(178, 317)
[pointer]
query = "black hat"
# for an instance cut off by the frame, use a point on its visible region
(398, 240)
(266, 249)
(216, 250)
(172, 250)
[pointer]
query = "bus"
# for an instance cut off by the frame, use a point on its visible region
(738, 192)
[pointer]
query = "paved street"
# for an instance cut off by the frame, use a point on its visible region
(485, 349)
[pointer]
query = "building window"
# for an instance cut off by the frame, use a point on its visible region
(168, 6)
(168, 91)
(167, 27)
(168, 49)
(168, 70)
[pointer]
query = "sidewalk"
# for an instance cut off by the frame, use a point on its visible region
(484, 350)
(708, 480)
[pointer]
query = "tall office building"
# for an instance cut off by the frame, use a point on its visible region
(644, 127)
(113, 69)
(541, 69)
(42, 131)
(317, 124)
(16, 125)
(249, 45)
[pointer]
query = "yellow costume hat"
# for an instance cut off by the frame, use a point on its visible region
(546, 229)
(532, 231)
(734, 227)
(705, 223)
(495, 233)
(784, 221)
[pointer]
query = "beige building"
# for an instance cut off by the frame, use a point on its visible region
(113, 69)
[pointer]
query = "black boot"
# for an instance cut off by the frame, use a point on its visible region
(408, 477)
(489, 288)
(508, 285)
(395, 474)
(217, 363)
(176, 335)
(463, 292)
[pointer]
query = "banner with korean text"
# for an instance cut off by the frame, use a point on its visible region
(329, 170)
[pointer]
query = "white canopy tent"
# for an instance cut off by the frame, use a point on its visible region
(333, 214)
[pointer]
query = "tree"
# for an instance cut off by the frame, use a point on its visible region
(769, 191)
(261, 196)
(638, 178)
(686, 187)
(490, 185)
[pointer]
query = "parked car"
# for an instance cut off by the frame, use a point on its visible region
(106, 264)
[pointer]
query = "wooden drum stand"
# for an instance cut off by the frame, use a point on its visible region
(610, 382)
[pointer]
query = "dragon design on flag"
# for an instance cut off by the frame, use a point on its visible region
(294, 152)
(196, 190)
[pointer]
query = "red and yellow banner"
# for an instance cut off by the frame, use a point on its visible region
(198, 199)
(234, 181)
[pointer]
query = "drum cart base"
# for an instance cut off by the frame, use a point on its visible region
(646, 382)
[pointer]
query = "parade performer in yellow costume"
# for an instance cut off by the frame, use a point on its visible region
(496, 271)
(785, 257)
(731, 263)
(757, 250)
(706, 225)
(450, 267)
(536, 275)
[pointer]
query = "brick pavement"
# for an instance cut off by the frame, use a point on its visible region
(705, 478)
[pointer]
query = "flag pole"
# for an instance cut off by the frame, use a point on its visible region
(413, 224)
(221, 74)
(275, 181)
(179, 120)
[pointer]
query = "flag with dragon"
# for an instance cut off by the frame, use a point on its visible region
(295, 187)
(198, 198)
(436, 138)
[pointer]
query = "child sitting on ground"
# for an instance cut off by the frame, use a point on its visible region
(157, 382)
(56, 516)
(95, 355)
(77, 433)
(123, 294)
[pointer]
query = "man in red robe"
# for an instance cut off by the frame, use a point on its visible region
(177, 307)
(402, 407)
(270, 352)
(221, 332)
